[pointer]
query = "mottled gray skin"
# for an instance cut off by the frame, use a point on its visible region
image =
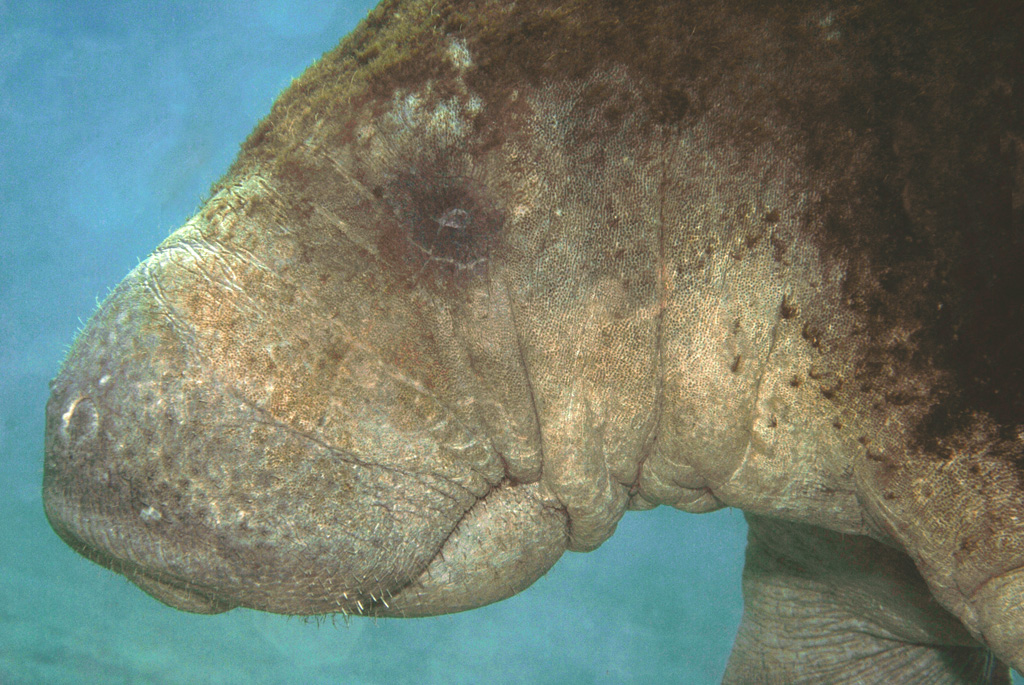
(491, 274)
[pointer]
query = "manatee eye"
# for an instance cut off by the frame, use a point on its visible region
(454, 218)
(447, 222)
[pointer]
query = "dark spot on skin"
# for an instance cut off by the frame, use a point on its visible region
(334, 354)
(869, 368)
(864, 440)
(772, 217)
(795, 382)
(974, 469)
(751, 241)
(773, 422)
(736, 363)
(837, 425)
(779, 247)
(674, 103)
(812, 334)
(787, 310)
(890, 496)
(898, 399)
(613, 115)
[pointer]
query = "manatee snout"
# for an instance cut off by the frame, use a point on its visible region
(158, 470)
(104, 489)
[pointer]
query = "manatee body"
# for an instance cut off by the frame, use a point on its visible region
(491, 274)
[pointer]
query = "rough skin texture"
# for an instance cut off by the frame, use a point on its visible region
(489, 274)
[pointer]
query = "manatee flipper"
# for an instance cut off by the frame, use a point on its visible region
(855, 610)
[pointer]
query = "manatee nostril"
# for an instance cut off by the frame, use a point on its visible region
(80, 421)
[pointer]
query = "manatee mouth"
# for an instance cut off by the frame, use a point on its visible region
(504, 542)
(180, 595)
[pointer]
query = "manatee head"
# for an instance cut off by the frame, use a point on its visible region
(313, 397)
(280, 409)
(284, 406)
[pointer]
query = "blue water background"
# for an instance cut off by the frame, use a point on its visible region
(115, 118)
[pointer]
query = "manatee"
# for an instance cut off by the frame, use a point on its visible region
(490, 274)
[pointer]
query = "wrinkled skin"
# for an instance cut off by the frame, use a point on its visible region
(491, 274)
